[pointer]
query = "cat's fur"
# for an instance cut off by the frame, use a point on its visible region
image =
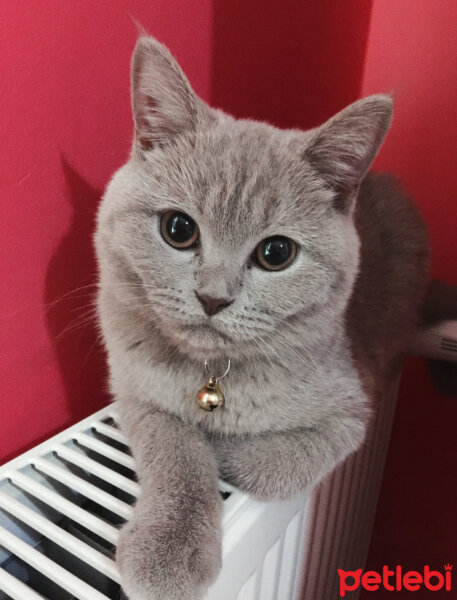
(311, 346)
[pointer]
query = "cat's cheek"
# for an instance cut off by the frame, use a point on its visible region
(287, 294)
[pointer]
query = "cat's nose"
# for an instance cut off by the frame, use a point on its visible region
(211, 305)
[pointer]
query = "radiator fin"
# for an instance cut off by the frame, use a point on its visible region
(270, 572)
(248, 591)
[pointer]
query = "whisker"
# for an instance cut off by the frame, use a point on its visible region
(69, 293)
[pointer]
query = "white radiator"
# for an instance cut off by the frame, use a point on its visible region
(62, 503)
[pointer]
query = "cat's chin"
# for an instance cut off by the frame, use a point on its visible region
(202, 341)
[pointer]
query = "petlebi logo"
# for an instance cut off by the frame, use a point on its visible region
(396, 579)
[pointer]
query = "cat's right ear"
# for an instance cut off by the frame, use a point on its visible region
(163, 102)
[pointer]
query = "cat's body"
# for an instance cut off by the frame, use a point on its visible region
(310, 345)
(385, 307)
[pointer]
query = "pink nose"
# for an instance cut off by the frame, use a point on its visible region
(212, 306)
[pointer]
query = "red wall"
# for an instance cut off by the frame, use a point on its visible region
(412, 50)
(65, 126)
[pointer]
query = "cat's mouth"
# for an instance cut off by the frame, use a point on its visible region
(205, 328)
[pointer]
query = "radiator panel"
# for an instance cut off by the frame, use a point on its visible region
(62, 503)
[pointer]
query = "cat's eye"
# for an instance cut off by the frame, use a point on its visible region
(179, 230)
(275, 253)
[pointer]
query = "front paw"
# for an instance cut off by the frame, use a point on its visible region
(160, 558)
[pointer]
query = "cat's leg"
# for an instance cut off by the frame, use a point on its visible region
(277, 465)
(171, 547)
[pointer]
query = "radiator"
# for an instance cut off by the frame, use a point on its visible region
(61, 506)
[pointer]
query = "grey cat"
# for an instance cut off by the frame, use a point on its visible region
(231, 239)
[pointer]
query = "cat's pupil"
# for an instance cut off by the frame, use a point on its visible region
(180, 228)
(276, 251)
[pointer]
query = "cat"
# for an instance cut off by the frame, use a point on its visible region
(277, 249)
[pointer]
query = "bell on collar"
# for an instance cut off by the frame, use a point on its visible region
(210, 396)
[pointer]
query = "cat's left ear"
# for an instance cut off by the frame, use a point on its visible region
(163, 102)
(343, 149)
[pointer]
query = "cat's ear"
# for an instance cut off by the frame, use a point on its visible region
(163, 102)
(343, 149)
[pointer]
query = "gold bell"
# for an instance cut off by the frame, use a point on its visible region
(210, 396)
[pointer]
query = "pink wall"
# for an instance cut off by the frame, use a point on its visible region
(65, 127)
(412, 49)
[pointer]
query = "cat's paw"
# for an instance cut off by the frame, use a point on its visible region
(163, 560)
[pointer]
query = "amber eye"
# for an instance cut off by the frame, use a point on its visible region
(179, 230)
(275, 253)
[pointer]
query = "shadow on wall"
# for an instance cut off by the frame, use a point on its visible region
(292, 63)
(70, 300)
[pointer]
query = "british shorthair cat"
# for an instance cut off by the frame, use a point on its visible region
(224, 239)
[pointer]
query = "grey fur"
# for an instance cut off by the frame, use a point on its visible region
(310, 345)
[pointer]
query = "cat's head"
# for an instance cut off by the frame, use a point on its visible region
(225, 234)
